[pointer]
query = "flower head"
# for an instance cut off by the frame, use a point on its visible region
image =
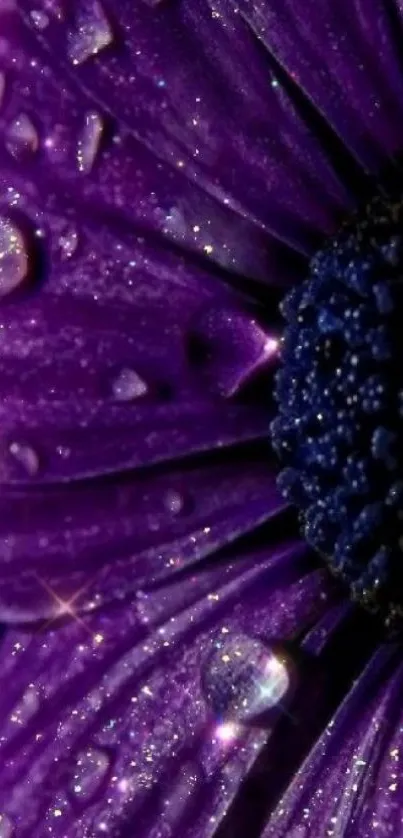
(177, 659)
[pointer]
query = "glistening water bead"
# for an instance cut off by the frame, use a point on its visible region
(243, 678)
(340, 399)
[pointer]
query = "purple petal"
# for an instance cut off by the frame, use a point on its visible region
(86, 164)
(350, 782)
(346, 57)
(106, 722)
(156, 79)
(124, 361)
(121, 354)
(96, 542)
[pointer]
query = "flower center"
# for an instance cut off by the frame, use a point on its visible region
(340, 399)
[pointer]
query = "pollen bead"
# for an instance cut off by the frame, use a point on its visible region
(340, 406)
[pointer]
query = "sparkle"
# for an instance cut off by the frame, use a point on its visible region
(226, 732)
(66, 607)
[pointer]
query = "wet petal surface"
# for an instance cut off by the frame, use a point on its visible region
(108, 721)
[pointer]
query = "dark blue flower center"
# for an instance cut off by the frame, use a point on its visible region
(340, 398)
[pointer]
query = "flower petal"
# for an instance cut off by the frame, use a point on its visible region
(89, 165)
(90, 543)
(122, 365)
(120, 357)
(160, 75)
(346, 57)
(349, 785)
(106, 722)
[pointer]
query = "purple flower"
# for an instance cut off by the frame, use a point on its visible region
(177, 659)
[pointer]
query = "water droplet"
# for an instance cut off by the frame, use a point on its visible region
(13, 257)
(231, 348)
(89, 141)
(27, 706)
(26, 457)
(128, 385)
(92, 33)
(68, 242)
(243, 678)
(22, 137)
(39, 19)
(6, 827)
(55, 8)
(174, 501)
(90, 772)
(63, 452)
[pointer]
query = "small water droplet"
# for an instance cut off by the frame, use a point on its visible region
(243, 678)
(26, 457)
(128, 385)
(6, 827)
(27, 706)
(22, 137)
(39, 19)
(55, 8)
(90, 772)
(89, 141)
(174, 501)
(13, 257)
(68, 242)
(92, 33)
(63, 452)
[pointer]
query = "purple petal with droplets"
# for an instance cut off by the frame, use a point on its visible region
(162, 78)
(102, 541)
(105, 720)
(349, 785)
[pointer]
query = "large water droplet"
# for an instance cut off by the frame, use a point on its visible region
(13, 257)
(243, 678)
(89, 141)
(6, 827)
(91, 34)
(26, 456)
(22, 137)
(90, 772)
(128, 385)
(231, 348)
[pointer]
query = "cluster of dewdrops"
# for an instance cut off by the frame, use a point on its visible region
(340, 399)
